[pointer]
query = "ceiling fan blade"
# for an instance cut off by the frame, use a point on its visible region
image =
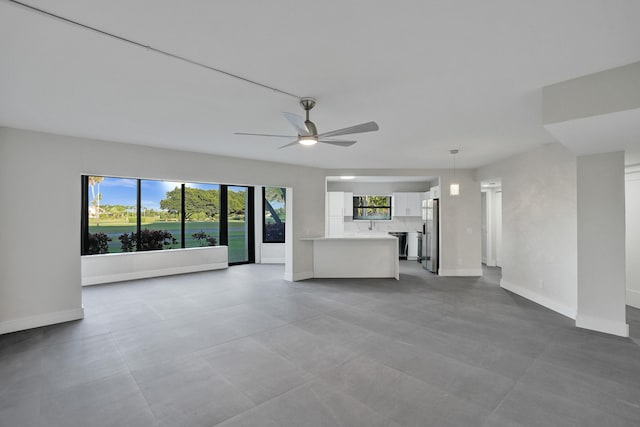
(297, 122)
(265, 134)
(289, 144)
(364, 127)
(338, 142)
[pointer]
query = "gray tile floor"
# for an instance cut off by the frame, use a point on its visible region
(242, 347)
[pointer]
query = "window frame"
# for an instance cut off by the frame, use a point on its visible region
(84, 218)
(361, 218)
(264, 217)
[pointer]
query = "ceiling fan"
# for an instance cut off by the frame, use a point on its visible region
(308, 133)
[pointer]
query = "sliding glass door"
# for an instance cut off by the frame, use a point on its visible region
(239, 225)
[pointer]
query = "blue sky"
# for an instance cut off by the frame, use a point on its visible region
(122, 191)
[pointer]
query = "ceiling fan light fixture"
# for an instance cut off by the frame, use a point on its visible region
(308, 140)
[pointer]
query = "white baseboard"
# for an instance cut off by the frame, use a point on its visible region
(544, 301)
(602, 325)
(633, 298)
(109, 278)
(465, 272)
(272, 260)
(295, 277)
(38, 320)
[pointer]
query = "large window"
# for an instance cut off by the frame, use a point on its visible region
(126, 215)
(202, 215)
(274, 216)
(372, 207)
(160, 215)
(111, 211)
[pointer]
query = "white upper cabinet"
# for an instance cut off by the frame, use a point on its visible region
(398, 204)
(348, 203)
(336, 203)
(406, 204)
(413, 204)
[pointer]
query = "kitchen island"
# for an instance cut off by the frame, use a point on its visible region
(357, 255)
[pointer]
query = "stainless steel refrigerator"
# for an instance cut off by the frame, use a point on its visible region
(430, 235)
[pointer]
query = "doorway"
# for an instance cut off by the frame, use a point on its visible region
(492, 222)
(237, 223)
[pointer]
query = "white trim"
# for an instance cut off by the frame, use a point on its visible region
(109, 278)
(272, 261)
(298, 276)
(633, 298)
(544, 301)
(602, 325)
(460, 272)
(632, 170)
(40, 320)
(491, 263)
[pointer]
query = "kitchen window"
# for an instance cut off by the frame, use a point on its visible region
(372, 208)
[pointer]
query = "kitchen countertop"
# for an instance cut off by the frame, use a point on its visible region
(374, 236)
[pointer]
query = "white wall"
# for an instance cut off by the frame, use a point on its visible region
(539, 225)
(632, 206)
(40, 227)
(460, 226)
(605, 92)
(601, 247)
(497, 222)
(485, 228)
(378, 188)
(40, 174)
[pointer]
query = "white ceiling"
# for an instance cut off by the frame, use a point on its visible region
(435, 75)
(619, 131)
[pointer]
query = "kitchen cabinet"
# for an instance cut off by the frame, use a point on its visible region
(413, 204)
(335, 213)
(348, 203)
(406, 204)
(412, 245)
(435, 192)
(335, 201)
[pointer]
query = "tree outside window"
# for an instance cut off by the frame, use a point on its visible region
(274, 217)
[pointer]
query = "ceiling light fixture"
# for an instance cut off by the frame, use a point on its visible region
(308, 140)
(347, 177)
(454, 187)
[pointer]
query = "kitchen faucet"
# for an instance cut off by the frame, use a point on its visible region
(371, 224)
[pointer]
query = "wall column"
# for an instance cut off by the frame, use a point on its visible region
(601, 243)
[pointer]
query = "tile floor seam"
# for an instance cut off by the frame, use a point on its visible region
(144, 396)
(513, 386)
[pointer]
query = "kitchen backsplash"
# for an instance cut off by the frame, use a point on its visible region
(406, 223)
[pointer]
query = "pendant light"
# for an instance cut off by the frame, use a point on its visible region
(454, 187)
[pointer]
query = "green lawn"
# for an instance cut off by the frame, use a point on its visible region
(237, 235)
